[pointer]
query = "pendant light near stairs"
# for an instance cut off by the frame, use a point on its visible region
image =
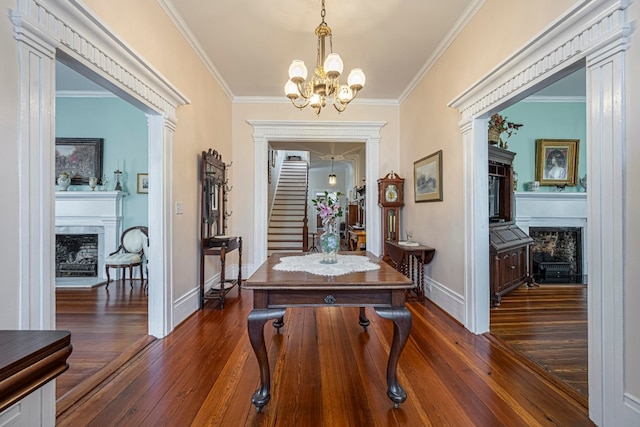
(332, 176)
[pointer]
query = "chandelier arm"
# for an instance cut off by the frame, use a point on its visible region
(299, 106)
(340, 106)
(302, 89)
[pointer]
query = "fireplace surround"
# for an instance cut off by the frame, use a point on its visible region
(557, 254)
(557, 221)
(80, 213)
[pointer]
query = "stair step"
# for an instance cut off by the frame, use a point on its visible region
(289, 222)
(284, 238)
(284, 245)
(289, 209)
(288, 206)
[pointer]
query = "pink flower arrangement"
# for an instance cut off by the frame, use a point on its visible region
(328, 208)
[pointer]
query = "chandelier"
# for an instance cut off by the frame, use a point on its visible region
(324, 82)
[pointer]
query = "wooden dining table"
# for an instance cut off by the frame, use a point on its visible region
(274, 291)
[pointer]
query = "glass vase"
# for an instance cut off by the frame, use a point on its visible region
(330, 243)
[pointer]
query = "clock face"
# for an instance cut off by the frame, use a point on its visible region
(391, 193)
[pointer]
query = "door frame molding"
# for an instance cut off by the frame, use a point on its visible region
(595, 35)
(265, 131)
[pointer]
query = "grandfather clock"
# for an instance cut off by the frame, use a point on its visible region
(390, 199)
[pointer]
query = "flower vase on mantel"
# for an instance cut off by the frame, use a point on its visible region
(329, 243)
(64, 180)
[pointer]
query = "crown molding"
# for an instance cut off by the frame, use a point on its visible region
(283, 100)
(545, 98)
(456, 29)
(84, 94)
(182, 27)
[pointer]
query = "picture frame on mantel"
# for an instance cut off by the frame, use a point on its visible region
(427, 178)
(557, 161)
(81, 158)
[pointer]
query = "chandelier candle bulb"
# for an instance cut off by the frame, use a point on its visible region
(333, 65)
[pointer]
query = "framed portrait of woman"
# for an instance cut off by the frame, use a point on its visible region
(557, 161)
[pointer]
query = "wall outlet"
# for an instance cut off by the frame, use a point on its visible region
(179, 208)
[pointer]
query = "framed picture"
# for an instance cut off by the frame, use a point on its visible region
(557, 161)
(427, 178)
(81, 158)
(143, 183)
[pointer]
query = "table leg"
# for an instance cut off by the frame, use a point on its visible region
(255, 326)
(364, 322)
(401, 327)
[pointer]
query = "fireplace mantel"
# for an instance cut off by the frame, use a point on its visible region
(89, 204)
(96, 212)
(538, 208)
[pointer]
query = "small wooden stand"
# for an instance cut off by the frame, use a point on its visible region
(410, 261)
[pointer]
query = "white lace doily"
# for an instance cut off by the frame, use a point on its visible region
(311, 264)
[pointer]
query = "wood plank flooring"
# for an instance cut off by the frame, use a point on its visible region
(108, 326)
(326, 371)
(548, 325)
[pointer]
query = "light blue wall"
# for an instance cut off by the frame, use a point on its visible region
(545, 120)
(124, 130)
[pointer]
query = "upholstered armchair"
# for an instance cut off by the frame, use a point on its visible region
(131, 253)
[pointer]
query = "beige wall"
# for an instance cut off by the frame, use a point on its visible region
(242, 196)
(201, 125)
(428, 125)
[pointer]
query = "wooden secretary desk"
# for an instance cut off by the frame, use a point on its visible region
(213, 241)
(508, 244)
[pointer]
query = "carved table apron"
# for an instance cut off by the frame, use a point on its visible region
(274, 291)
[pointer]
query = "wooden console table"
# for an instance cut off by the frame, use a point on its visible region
(410, 261)
(29, 360)
(274, 291)
(219, 246)
(356, 239)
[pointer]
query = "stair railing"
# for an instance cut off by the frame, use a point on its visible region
(305, 227)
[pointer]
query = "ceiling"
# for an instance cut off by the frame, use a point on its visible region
(249, 44)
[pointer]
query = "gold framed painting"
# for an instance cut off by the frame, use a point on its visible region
(557, 161)
(427, 178)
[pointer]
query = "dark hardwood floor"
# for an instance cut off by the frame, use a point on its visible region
(326, 371)
(548, 325)
(108, 327)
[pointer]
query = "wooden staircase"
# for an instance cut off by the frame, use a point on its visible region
(287, 215)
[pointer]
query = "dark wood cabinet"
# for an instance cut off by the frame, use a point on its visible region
(509, 265)
(508, 244)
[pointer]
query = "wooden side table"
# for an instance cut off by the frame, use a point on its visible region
(220, 246)
(357, 238)
(410, 261)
